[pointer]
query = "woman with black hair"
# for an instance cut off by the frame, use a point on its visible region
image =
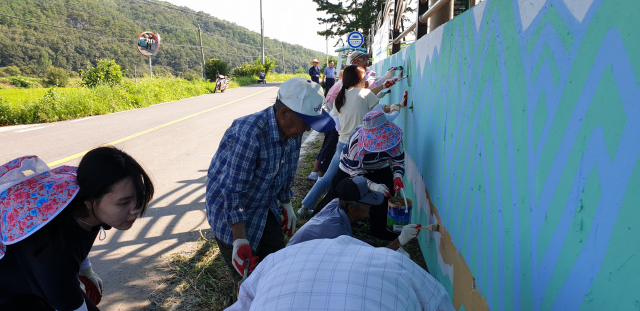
(353, 102)
(50, 219)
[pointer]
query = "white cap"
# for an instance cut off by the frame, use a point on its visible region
(354, 55)
(305, 97)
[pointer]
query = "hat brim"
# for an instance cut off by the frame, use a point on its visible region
(372, 198)
(380, 138)
(322, 123)
(362, 56)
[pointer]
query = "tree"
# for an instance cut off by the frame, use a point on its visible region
(301, 70)
(43, 63)
(215, 66)
(268, 65)
(105, 72)
(347, 16)
(56, 76)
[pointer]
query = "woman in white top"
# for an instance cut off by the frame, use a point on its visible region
(351, 105)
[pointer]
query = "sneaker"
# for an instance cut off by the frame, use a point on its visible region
(313, 176)
(305, 212)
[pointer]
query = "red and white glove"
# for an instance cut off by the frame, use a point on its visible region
(290, 219)
(242, 252)
(389, 83)
(409, 232)
(403, 103)
(92, 284)
(390, 74)
(397, 184)
(380, 188)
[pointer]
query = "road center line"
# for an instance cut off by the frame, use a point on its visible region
(77, 155)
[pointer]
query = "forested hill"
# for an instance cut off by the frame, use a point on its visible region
(21, 41)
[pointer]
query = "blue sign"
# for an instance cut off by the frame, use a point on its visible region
(355, 39)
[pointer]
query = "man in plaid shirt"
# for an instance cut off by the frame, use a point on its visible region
(250, 176)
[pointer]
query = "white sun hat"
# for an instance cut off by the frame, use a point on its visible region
(305, 97)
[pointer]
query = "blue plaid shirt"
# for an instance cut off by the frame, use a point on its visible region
(252, 169)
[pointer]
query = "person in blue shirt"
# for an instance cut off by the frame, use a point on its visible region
(353, 203)
(251, 174)
(329, 77)
(314, 72)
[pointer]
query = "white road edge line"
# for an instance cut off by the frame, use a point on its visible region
(310, 138)
(78, 120)
(31, 129)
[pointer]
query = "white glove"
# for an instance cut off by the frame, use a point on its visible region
(242, 252)
(289, 223)
(89, 274)
(381, 94)
(92, 284)
(390, 74)
(394, 107)
(380, 188)
(409, 232)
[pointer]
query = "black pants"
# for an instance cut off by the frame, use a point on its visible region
(35, 303)
(377, 213)
(328, 150)
(329, 82)
(272, 241)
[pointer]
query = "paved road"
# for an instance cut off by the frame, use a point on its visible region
(176, 155)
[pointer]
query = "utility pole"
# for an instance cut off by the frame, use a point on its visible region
(262, 33)
(201, 48)
(326, 38)
(284, 67)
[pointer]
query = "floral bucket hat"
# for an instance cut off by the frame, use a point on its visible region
(377, 134)
(31, 195)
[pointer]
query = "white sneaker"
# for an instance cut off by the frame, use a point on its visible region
(313, 176)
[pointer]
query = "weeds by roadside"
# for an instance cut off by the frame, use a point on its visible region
(201, 280)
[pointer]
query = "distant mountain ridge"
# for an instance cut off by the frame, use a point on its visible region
(22, 41)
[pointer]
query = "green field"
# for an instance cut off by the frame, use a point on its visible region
(18, 96)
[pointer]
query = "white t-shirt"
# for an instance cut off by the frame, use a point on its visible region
(358, 102)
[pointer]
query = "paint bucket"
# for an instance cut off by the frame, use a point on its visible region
(397, 215)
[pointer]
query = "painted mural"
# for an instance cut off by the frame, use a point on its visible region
(523, 142)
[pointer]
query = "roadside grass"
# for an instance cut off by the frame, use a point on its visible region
(35, 104)
(70, 103)
(201, 280)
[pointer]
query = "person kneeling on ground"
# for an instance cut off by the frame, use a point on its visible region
(50, 219)
(353, 203)
(251, 175)
(340, 274)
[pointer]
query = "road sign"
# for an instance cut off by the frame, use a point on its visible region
(355, 39)
(148, 43)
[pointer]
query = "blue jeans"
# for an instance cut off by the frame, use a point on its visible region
(325, 182)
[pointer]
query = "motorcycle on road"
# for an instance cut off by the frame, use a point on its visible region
(222, 83)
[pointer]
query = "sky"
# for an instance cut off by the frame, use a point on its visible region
(291, 21)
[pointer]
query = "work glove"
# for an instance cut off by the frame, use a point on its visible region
(409, 232)
(380, 188)
(390, 74)
(389, 83)
(381, 94)
(289, 222)
(394, 107)
(242, 252)
(397, 184)
(403, 103)
(92, 284)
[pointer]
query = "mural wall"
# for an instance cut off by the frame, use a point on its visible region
(523, 139)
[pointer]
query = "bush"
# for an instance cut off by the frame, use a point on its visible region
(105, 72)
(215, 66)
(11, 71)
(24, 82)
(191, 75)
(56, 77)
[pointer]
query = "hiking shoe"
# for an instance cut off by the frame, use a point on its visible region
(313, 176)
(305, 212)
